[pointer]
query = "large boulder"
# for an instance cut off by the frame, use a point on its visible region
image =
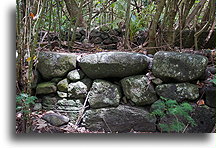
(139, 90)
(181, 67)
(178, 92)
(204, 118)
(113, 64)
(53, 64)
(120, 119)
(46, 88)
(104, 94)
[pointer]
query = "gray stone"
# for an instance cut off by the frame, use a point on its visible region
(46, 88)
(204, 118)
(181, 67)
(62, 94)
(71, 107)
(53, 64)
(210, 93)
(104, 94)
(120, 119)
(55, 119)
(63, 85)
(49, 102)
(77, 90)
(37, 107)
(157, 81)
(178, 92)
(113, 64)
(212, 69)
(139, 90)
(75, 75)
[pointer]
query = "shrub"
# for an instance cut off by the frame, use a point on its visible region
(23, 106)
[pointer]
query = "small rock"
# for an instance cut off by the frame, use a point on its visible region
(75, 75)
(55, 119)
(63, 85)
(157, 81)
(62, 94)
(37, 107)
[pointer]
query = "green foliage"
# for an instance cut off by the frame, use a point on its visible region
(168, 107)
(213, 80)
(24, 102)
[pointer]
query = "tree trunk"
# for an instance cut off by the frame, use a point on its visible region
(127, 23)
(73, 10)
(154, 23)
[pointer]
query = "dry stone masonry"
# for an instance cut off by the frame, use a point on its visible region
(119, 89)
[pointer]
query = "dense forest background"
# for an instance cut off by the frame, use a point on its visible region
(158, 22)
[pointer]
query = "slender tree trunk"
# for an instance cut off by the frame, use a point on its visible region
(199, 6)
(73, 10)
(170, 22)
(154, 23)
(127, 23)
(79, 14)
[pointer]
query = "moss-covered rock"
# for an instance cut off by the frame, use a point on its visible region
(46, 88)
(120, 119)
(113, 64)
(79, 89)
(178, 92)
(139, 90)
(181, 67)
(104, 94)
(53, 64)
(63, 85)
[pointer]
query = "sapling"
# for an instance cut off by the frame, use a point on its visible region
(23, 105)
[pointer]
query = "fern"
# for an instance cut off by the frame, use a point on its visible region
(168, 107)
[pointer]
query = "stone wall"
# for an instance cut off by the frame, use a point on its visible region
(119, 89)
